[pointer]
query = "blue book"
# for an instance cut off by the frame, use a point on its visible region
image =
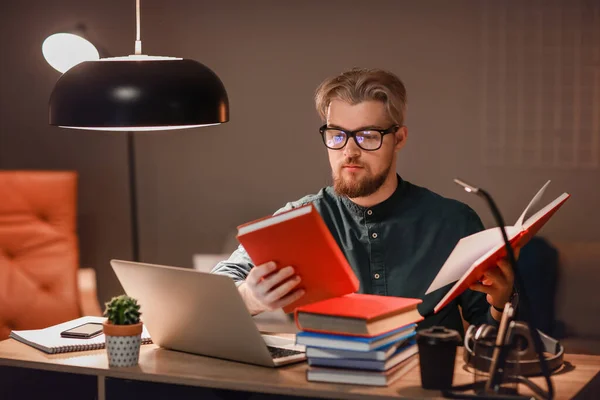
(358, 343)
(361, 376)
(382, 353)
(400, 355)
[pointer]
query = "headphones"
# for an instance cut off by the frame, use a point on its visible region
(528, 362)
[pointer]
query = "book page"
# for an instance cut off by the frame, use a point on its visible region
(511, 233)
(263, 223)
(467, 251)
(541, 213)
(531, 204)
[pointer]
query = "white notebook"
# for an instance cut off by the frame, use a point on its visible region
(49, 340)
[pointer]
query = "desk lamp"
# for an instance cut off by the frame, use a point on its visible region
(498, 364)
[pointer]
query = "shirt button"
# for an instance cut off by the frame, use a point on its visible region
(376, 276)
(374, 235)
(369, 212)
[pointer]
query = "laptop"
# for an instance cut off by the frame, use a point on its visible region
(201, 313)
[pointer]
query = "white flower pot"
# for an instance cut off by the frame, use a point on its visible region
(123, 344)
(123, 351)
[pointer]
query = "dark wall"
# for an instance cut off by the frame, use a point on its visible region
(487, 82)
(466, 65)
(28, 142)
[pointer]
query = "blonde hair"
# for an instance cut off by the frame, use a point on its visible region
(360, 84)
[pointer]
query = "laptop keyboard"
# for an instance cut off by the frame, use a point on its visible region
(277, 352)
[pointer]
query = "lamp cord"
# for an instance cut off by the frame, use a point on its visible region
(138, 41)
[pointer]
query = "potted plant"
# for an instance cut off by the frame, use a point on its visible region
(123, 331)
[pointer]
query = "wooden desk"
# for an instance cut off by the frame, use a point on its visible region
(170, 367)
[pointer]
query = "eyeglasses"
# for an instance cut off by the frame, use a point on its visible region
(366, 139)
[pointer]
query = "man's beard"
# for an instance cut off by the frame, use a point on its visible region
(363, 187)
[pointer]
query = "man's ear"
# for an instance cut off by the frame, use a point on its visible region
(401, 136)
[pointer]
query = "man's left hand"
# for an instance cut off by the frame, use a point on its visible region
(498, 283)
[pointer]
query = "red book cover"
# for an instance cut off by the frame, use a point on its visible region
(366, 307)
(476, 273)
(361, 306)
(300, 238)
(479, 252)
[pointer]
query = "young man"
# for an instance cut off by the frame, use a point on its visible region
(395, 235)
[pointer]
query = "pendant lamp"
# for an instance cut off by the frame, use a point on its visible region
(138, 93)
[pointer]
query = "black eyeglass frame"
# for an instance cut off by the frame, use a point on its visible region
(352, 134)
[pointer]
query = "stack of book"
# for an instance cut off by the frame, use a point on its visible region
(359, 338)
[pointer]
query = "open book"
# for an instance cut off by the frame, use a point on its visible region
(475, 254)
(49, 340)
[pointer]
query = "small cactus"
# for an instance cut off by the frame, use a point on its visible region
(122, 310)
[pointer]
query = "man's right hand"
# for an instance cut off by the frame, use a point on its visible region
(267, 290)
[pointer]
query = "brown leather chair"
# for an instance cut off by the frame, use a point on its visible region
(40, 279)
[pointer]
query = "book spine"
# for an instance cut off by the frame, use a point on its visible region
(336, 248)
(363, 335)
(340, 333)
(371, 365)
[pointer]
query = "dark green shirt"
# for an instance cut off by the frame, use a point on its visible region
(395, 248)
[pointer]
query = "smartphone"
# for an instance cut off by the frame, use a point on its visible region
(85, 331)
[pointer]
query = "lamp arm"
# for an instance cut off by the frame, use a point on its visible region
(500, 221)
(523, 299)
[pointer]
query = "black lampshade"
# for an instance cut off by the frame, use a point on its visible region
(132, 95)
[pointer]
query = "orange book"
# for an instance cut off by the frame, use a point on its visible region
(358, 314)
(475, 254)
(300, 238)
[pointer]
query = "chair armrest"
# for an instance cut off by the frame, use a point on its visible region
(88, 298)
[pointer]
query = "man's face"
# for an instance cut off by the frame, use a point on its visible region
(357, 172)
